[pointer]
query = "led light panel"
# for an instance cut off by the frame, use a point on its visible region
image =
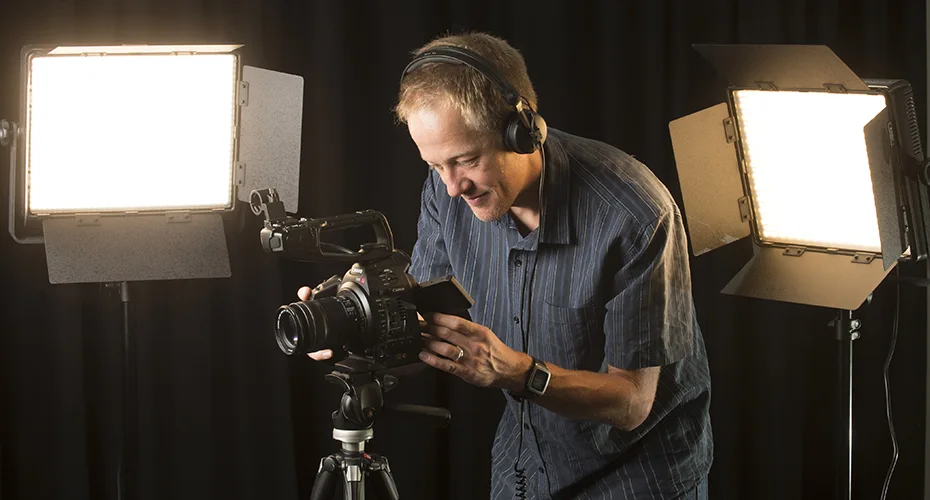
(125, 132)
(808, 168)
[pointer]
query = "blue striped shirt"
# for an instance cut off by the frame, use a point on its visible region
(604, 280)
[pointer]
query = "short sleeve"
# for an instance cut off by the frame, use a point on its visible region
(430, 258)
(650, 319)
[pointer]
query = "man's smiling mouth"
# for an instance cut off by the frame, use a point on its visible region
(476, 199)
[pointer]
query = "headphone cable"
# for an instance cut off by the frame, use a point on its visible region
(521, 486)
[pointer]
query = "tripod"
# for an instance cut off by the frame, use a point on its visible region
(361, 403)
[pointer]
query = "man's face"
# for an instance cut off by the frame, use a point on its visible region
(470, 164)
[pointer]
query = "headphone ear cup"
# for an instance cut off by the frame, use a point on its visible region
(516, 137)
(520, 139)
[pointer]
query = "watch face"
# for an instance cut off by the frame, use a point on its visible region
(539, 381)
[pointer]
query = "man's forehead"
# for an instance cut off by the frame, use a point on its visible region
(442, 135)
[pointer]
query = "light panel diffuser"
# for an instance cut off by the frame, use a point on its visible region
(142, 49)
(119, 133)
(808, 168)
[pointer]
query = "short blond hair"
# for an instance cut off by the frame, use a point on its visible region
(478, 100)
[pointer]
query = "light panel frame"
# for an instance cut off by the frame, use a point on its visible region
(755, 229)
(707, 146)
(178, 242)
(27, 225)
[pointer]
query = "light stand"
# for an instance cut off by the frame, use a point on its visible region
(90, 240)
(792, 110)
(846, 330)
(127, 476)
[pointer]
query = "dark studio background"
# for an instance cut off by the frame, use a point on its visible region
(223, 414)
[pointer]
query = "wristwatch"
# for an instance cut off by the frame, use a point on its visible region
(537, 381)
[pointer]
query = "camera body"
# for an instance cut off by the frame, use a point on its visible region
(368, 316)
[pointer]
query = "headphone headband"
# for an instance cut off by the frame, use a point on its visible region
(458, 55)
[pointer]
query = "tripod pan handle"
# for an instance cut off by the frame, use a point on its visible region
(439, 417)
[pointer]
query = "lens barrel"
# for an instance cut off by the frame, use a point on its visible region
(314, 325)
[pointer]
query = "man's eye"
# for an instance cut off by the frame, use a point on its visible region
(469, 161)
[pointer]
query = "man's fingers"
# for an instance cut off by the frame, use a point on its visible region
(447, 320)
(442, 348)
(321, 355)
(304, 293)
(441, 363)
(447, 334)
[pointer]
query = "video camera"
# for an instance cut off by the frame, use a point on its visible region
(368, 317)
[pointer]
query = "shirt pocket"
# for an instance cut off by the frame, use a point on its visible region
(570, 337)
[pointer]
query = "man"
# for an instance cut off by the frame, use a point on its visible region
(577, 260)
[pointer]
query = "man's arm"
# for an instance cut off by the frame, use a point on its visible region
(648, 324)
(622, 398)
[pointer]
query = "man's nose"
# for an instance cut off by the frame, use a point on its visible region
(456, 184)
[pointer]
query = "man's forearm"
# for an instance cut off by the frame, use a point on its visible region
(622, 398)
(611, 398)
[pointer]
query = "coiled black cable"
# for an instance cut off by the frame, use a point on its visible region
(520, 473)
(520, 492)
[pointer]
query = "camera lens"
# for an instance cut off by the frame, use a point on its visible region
(327, 323)
(290, 329)
(292, 325)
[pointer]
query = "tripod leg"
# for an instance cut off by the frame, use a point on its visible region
(329, 476)
(381, 479)
(355, 490)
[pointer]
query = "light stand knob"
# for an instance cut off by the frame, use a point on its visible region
(923, 172)
(6, 133)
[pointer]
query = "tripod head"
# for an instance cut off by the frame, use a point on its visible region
(362, 401)
(363, 398)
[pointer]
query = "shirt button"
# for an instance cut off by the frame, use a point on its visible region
(516, 319)
(542, 471)
(526, 426)
(518, 263)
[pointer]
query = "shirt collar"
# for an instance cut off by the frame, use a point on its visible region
(555, 220)
(555, 216)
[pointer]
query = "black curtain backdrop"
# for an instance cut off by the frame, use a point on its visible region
(224, 414)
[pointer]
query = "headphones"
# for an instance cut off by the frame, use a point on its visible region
(524, 131)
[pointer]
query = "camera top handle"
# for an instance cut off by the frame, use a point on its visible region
(299, 238)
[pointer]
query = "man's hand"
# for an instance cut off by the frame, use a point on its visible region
(304, 294)
(622, 398)
(473, 353)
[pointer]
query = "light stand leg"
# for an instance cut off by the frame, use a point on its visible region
(126, 485)
(847, 330)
